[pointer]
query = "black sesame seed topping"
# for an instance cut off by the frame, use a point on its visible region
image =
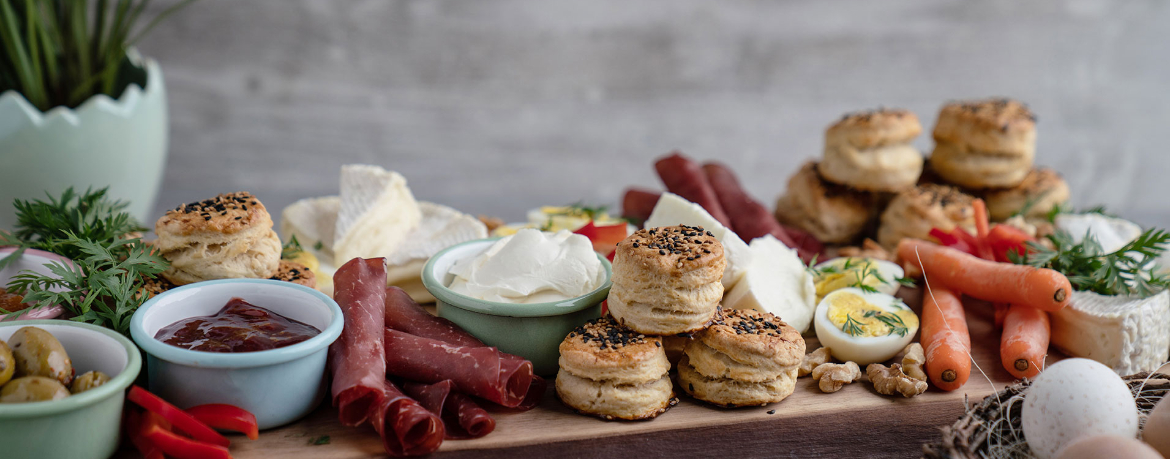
(608, 334)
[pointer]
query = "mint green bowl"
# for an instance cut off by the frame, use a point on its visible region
(533, 331)
(80, 426)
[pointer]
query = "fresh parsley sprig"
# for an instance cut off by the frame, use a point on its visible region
(1088, 267)
(46, 225)
(291, 249)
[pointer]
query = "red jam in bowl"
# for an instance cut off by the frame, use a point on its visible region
(238, 327)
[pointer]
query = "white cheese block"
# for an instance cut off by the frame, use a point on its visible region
(1129, 335)
(441, 227)
(673, 210)
(377, 213)
(776, 282)
(1112, 233)
(312, 221)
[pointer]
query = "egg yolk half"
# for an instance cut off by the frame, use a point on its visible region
(840, 277)
(857, 317)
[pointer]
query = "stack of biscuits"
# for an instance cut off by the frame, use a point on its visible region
(867, 156)
(666, 289)
(225, 237)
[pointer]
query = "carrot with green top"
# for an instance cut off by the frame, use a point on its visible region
(1040, 288)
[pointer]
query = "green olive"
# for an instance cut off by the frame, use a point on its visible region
(32, 389)
(88, 380)
(38, 353)
(7, 363)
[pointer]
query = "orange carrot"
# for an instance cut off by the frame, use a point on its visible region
(1025, 341)
(945, 339)
(1001, 310)
(981, 223)
(1040, 288)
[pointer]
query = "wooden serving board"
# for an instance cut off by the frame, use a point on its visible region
(854, 422)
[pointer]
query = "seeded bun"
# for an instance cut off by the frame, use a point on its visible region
(834, 214)
(291, 271)
(604, 350)
(1041, 191)
(871, 151)
(746, 357)
(984, 144)
(913, 213)
(228, 236)
(612, 372)
(667, 280)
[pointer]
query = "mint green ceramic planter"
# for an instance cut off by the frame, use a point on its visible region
(104, 142)
(533, 331)
(82, 426)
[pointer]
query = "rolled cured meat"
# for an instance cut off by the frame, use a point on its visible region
(358, 358)
(749, 218)
(639, 204)
(480, 371)
(461, 416)
(404, 314)
(406, 427)
(685, 178)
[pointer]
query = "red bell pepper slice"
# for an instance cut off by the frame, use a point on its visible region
(132, 422)
(174, 445)
(227, 417)
(604, 238)
(177, 417)
(1005, 239)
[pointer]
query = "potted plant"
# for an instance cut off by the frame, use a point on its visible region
(78, 106)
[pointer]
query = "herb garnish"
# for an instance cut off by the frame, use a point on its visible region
(103, 285)
(893, 321)
(291, 249)
(852, 327)
(1087, 266)
(867, 270)
(317, 441)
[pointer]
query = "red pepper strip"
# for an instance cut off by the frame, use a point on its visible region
(226, 417)
(181, 420)
(178, 446)
(133, 425)
(1005, 239)
(604, 238)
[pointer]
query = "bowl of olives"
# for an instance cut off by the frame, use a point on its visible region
(62, 386)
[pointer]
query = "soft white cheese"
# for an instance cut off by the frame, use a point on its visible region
(1112, 233)
(377, 212)
(1129, 335)
(441, 227)
(673, 210)
(776, 282)
(530, 267)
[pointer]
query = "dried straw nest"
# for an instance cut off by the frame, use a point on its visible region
(992, 429)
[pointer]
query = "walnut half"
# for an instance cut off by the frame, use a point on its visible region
(890, 380)
(912, 360)
(834, 376)
(812, 360)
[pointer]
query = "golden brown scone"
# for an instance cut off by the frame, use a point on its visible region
(913, 213)
(667, 280)
(834, 214)
(228, 236)
(984, 144)
(612, 372)
(871, 151)
(291, 271)
(746, 358)
(1041, 190)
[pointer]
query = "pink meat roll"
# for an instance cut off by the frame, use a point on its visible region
(358, 358)
(479, 371)
(462, 417)
(406, 427)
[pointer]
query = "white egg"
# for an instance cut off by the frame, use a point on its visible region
(864, 327)
(1073, 399)
(841, 272)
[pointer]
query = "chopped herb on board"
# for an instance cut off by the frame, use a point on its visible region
(317, 441)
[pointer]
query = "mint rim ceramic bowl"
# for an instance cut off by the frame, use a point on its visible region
(533, 331)
(278, 385)
(88, 422)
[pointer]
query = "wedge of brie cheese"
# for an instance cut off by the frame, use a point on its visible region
(1112, 233)
(1127, 334)
(777, 282)
(673, 209)
(376, 214)
(441, 227)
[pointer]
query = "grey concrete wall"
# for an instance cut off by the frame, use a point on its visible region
(497, 106)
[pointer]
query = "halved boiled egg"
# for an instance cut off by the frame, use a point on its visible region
(864, 327)
(838, 273)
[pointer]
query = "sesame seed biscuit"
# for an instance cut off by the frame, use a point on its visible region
(746, 345)
(914, 212)
(228, 236)
(291, 271)
(612, 372)
(603, 350)
(834, 214)
(1041, 190)
(871, 151)
(985, 143)
(731, 393)
(667, 280)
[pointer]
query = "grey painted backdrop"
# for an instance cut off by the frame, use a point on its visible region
(497, 106)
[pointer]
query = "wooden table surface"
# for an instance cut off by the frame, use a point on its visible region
(855, 422)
